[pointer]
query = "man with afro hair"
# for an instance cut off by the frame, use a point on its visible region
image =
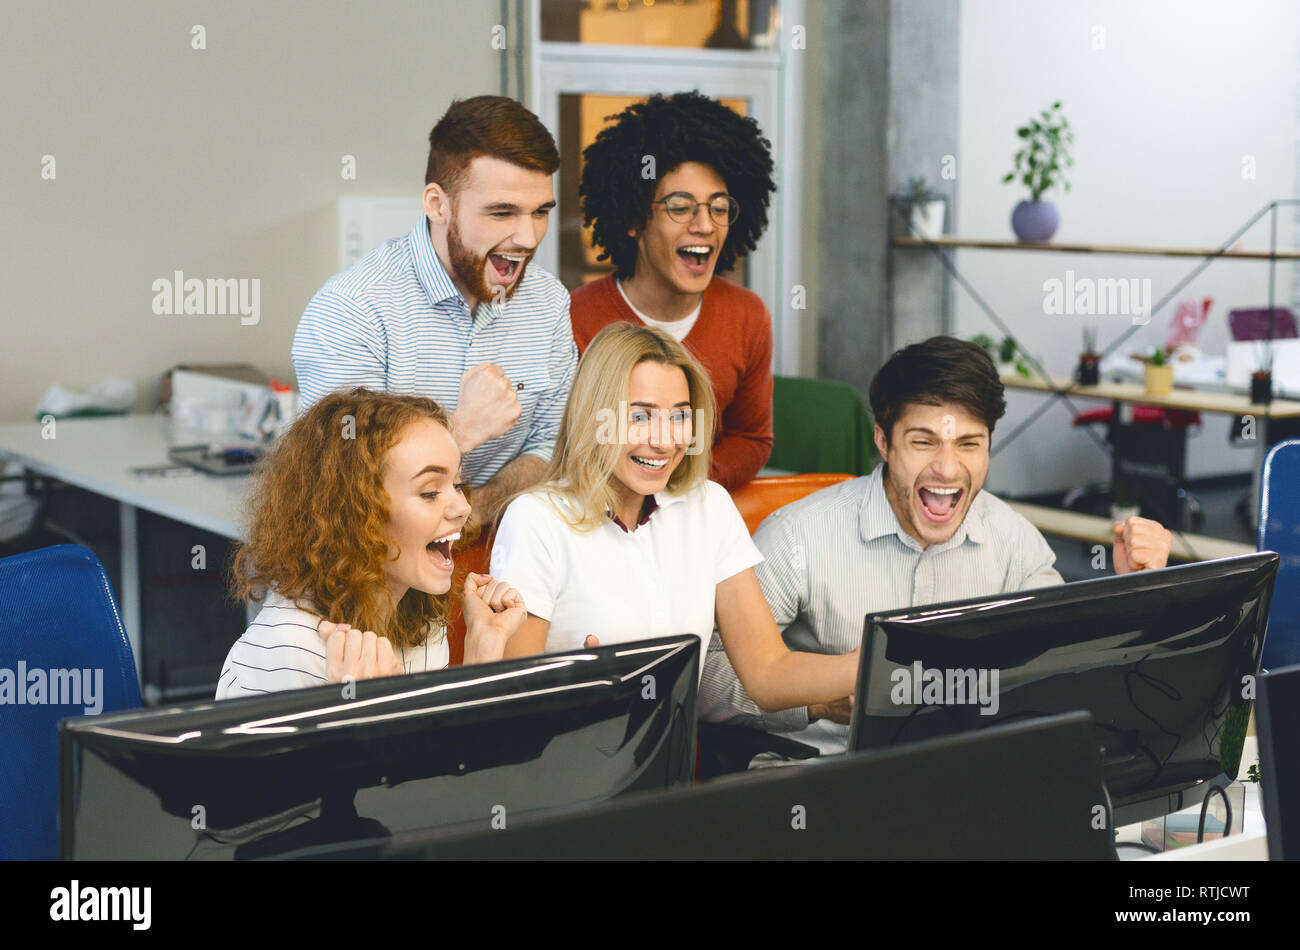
(675, 190)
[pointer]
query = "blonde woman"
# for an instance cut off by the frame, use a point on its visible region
(627, 538)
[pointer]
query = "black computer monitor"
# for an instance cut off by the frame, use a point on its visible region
(1164, 660)
(1025, 791)
(1278, 723)
(299, 772)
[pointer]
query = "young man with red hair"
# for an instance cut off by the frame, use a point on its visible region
(675, 190)
(452, 311)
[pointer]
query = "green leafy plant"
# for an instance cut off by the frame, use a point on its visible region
(1003, 353)
(1158, 358)
(917, 193)
(1044, 152)
(1252, 773)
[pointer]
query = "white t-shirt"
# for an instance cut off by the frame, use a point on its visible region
(659, 580)
(282, 650)
(677, 329)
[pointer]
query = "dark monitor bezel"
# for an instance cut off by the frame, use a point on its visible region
(1270, 739)
(899, 803)
(1159, 800)
(231, 724)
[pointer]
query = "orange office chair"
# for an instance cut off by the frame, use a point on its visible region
(763, 496)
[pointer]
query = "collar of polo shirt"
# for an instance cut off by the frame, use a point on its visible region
(429, 271)
(651, 504)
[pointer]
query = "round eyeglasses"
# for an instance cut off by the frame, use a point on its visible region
(681, 207)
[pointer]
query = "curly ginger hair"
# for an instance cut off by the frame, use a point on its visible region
(318, 515)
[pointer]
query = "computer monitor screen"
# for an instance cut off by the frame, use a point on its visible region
(1028, 791)
(300, 772)
(1278, 722)
(1164, 660)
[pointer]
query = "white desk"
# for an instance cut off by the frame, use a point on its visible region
(99, 455)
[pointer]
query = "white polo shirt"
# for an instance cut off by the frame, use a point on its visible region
(282, 650)
(617, 585)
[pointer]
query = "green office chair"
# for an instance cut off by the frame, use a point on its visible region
(820, 425)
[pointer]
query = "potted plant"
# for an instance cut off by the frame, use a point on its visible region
(1159, 374)
(1005, 355)
(922, 209)
(1040, 166)
(1009, 359)
(1088, 372)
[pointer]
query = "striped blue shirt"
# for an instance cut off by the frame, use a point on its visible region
(394, 322)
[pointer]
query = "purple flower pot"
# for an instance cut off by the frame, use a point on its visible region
(1035, 221)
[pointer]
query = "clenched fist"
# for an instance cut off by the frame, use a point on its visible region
(1140, 545)
(352, 654)
(487, 406)
(493, 612)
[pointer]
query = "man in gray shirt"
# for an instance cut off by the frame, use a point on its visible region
(918, 530)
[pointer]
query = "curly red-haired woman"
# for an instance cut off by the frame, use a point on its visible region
(353, 518)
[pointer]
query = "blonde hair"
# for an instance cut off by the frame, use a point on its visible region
(582, 466)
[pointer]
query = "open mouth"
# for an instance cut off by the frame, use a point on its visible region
(940, 503)
(507, 266)
(440, 549)
(650, 464)
(695, 257)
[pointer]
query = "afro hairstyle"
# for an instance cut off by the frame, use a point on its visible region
(685, 127)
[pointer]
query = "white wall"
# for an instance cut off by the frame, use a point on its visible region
(221, 163)
(1163, 116)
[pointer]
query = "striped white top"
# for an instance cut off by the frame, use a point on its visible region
(394, 322)
(282, 650)
(839, 554)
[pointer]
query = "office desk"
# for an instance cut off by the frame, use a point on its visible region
(1281, 414)
(98, 455)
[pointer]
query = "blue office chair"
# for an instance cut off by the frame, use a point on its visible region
(1279, 530)
(57, 613)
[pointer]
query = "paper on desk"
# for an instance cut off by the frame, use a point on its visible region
(109, 395)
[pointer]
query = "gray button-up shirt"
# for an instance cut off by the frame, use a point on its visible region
(839, 554)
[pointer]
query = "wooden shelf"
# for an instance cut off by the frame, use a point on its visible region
(1081, 527)
(992, 245)
(1228, 403)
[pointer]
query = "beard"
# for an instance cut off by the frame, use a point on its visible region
(470, 269)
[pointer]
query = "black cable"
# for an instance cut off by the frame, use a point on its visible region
(1205, 804)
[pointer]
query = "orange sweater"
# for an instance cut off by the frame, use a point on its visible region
(733, 340)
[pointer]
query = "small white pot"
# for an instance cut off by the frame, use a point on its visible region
(927, 219)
